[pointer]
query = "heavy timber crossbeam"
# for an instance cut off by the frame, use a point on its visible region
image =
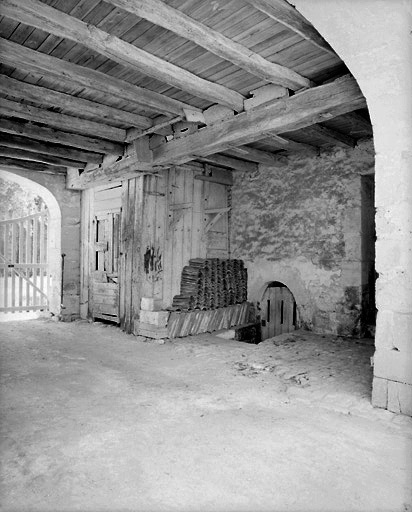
(284, 115)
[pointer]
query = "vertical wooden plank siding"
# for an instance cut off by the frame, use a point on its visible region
(137, 253)
(162, 226)
(188, 201)
(160, 233)
(122, 263)
(167, 256)
(85, 253)
(129, 238)
(198, 243)
(124, 250)
(131, 252)
(148, 233)
(217, 240)
(188, 218)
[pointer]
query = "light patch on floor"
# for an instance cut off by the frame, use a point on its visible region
(95, 420)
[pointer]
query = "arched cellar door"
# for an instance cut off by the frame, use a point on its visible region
(278, 310)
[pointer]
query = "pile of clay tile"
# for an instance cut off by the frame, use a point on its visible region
(211, 283)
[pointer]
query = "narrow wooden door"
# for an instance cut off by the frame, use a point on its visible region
(278, 311)
(105, 277)
(104, 299)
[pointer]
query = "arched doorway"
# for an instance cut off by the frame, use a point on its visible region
(37, 241)
(278, 310)
(367, 39)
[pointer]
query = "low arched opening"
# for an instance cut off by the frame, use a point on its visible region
(278, 310)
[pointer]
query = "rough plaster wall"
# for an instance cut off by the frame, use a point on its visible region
(69, 203)
(300, 223)
(375, 42)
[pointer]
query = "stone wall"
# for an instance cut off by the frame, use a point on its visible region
(64, 237)
(300, 223)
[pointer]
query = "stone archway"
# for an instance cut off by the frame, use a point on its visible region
(374, 41)
(54, 235)
(64, 206)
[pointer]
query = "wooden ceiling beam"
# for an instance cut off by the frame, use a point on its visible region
(252, 155)
(297, 112)
(284, 115)
(60, 121)
(59, 137)
(15, 164)
(134, 134)
(161, 14)
(40, 64)
(125, 168)
(330, 136)
(22, 154)
(81, 107)
(37, 14)
(282, 12)
(63, 152)
(290, 145)
(231, 163)
(359, 124)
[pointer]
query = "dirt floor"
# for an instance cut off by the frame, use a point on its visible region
(97, 420)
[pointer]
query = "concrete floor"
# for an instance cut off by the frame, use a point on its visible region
(96, 420)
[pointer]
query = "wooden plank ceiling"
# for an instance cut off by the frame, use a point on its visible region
(108, 88)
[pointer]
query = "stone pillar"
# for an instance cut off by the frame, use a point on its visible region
(392, 385)
(374, 41)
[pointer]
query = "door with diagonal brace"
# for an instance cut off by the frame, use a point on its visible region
(24, 268)
(105, 255)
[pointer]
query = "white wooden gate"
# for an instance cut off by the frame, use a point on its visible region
(24, 275)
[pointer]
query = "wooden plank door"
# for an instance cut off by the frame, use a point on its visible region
(278, 311)
(105, 277)
(105, 255)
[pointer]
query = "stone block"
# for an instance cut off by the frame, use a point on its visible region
(150, 304)
(380, 393)
(393, 330)
(394, 291)
(400, 397)
(394, 251)
(149, 330)
(158, 318)
(393, 365)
